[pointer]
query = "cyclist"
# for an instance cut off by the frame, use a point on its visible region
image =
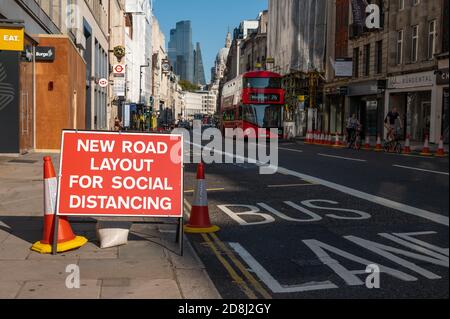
(352, 126)
(391, 123)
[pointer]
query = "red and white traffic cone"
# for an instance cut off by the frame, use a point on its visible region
(407, 148)
(426, 147)
(337, 141)
(329, 140)
(308, 138)
(367, 143)
(199, 222)
(66, 238)
(440, 151)
(378, 147)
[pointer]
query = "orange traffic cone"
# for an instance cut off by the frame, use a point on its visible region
(66, 238)
(407, 148)
(199, 221)
(426, 147)
(337, 142)
(378, 147)
(440, 151)
(367, 144)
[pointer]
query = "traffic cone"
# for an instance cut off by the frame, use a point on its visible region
(407, 148)
(66, 238)
(378, 147)
(440, 151)
(199, 222)
(367, 144)
(426, 147)
(337, 142)
(329, 140)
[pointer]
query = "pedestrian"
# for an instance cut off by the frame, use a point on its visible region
(117, 124)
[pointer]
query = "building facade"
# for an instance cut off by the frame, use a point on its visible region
(65, 54)
(181, 51)
(414, 45)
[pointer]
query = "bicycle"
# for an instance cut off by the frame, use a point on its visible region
(355, 141)
(393, 146)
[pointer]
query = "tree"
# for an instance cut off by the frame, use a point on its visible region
(188, 86)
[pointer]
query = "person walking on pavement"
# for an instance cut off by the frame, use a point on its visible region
(391, 121)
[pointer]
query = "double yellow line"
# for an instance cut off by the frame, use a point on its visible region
(250, 286)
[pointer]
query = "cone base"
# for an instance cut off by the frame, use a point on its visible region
(201, 230)
(75, 243)
(426, 154)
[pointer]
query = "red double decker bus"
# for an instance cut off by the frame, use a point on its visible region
(253, 102)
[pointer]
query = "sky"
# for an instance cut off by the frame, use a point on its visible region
(210, 21)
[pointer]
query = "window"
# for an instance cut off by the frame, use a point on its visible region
(400, 47)
(379, 57)
(401, 4)
(367, 60)
(416, 2)
(262, 83)
(432, 36)
(356, 62)
(415, 43)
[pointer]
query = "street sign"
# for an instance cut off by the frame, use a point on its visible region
(120, 174)
(103, 83)
(119, 87)
(119, 70)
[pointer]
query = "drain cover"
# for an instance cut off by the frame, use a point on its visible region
(20, 161)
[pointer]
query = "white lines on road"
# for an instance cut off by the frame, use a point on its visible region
(437, 218)
(270, 281)
(343, 158)
(421, 169)
(290, 150)
(291, 185)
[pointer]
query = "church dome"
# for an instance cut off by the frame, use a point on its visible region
(222, 55)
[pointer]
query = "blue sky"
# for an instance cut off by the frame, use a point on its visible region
(210, 21)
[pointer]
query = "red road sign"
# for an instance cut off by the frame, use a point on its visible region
(119, 69)
(103, 83)
(120, 174)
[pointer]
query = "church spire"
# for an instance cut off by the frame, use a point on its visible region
(228, 39)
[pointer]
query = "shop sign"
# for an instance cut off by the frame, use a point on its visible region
(411, 80)
(442, 77)
(119, 70)
(343, 67)
(44, 54)
(12, 39)
(119, 87)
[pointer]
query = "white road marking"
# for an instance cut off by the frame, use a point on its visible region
(270, 281)
(290, 150)
(437, 218)
(343, 158)
(421, 169)
(291, 185)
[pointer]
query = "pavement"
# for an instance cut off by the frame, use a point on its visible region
(148, 267)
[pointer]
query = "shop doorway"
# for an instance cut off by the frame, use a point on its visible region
(445, 117)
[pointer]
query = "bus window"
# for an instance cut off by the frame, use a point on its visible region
(262, 83)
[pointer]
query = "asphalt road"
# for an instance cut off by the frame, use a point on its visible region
(310, 230)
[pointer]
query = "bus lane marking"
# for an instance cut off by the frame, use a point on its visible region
(419, 250)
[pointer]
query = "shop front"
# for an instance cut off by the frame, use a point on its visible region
(442, 82)
(335, 109)
(366, 100)
(16, 89)
(413, 96)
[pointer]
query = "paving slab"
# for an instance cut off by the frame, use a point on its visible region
(56, 289)
(141, 289)
(10, 289)
(195, 284)
(141, 250)
(13, 248)
(34, 270)
(150, 269)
